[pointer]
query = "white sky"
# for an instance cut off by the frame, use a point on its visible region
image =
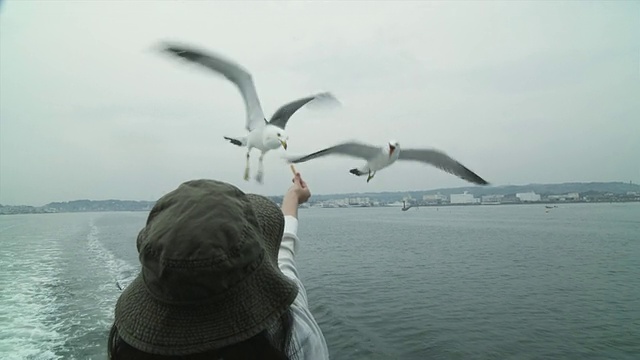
(519, 92)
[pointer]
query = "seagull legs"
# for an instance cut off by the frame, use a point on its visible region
(260, 173)
(246, 169)
(371, 175)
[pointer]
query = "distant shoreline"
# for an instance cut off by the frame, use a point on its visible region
(542, 194)
(557, 204)
(528, 203)
(521, 203)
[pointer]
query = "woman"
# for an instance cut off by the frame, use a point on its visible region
(218, 280)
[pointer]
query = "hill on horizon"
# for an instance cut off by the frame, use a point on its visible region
(477, 191)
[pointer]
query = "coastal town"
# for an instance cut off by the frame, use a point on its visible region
(613, 192)
(466, 198)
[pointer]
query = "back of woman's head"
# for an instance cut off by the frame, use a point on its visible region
(209, 286)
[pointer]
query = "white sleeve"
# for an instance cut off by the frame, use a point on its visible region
(308, 335)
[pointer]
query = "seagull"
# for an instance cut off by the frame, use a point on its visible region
(381, 157)
(262, 134)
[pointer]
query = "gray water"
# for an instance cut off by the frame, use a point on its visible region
(481, 282)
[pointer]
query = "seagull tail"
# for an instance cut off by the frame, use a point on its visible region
(356, 172)
(237, 141)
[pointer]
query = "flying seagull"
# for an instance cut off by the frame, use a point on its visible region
(263, 135)
(379, 158)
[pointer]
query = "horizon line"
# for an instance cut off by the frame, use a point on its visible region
(374, 192)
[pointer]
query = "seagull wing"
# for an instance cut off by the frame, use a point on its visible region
(443, 162)
(282, 115)
(233, 72)
(353, 149)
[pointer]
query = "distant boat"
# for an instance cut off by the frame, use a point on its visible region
(395, 204)
(405, 207)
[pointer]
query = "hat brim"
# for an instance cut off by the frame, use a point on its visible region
(239, 314)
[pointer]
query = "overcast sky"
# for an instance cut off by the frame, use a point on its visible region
(519, 92)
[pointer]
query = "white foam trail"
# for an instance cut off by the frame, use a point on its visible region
(115, 269)
(27, 295)
(7, 228)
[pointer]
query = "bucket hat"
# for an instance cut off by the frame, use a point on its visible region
(209, 275)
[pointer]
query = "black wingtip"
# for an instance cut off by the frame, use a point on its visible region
(473, 177)
(480, 181)
(184, 51)
(355, 172)
(234, 141)
(170, 47)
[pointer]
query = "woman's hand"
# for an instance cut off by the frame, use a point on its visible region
(299, 189)
(297, 194)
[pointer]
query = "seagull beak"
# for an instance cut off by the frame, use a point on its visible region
(284, 144)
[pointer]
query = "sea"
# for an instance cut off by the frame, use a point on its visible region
(455, 282)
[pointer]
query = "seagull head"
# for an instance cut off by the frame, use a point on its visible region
(393, 145)
(274, 137)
